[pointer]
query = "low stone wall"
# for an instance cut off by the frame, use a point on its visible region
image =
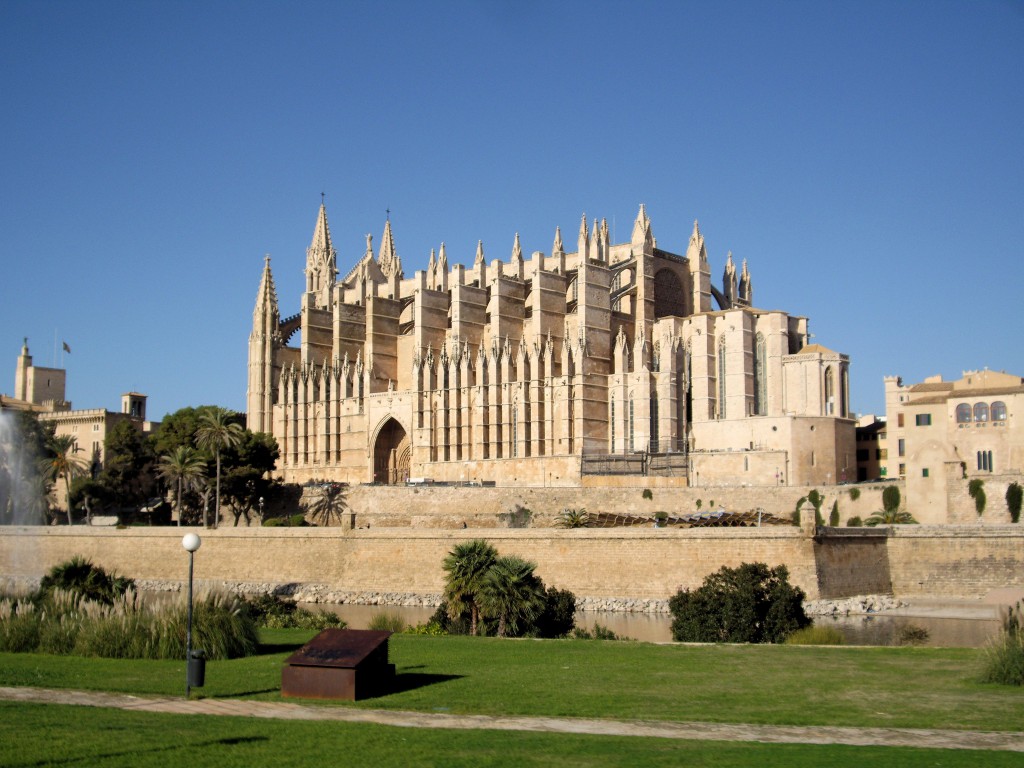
(617, 564)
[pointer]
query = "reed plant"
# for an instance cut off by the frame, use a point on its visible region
(816, 634)
(387, 621)
(67, 623)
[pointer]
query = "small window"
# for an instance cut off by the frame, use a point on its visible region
(903, 469)
(903, 447)
(998, 411)
(923, 420)
(981, 412)
(899, 420)
(924, 472)
(963, 413)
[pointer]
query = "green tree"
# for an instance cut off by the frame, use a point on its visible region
(890, 498)
(465, 567)
(833, 517)
(129, 466)
(218, 429)
(513, 594)
(749, 604)
(976, 489)
(1013, 500)
(559, 616)
(63, 461)
(183, 468)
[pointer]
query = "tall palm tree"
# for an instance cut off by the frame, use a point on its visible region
(183, 467)
(216, 432)
(328, 505)
(65, 462)
(512, 593)
(466, 565)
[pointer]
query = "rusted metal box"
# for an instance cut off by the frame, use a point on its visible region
(339, 664)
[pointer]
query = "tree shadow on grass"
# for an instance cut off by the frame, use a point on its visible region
(270, 649)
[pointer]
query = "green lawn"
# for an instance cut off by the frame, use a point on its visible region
(791, 685)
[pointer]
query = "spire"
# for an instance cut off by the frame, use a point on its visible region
(583, 245)
(746, 290)
(321, 261)
(641, 236)
(558, 247)
(479, 253)
(388, 259)
(695, 250)
(517, 250)
(266, 295)
(442, 262)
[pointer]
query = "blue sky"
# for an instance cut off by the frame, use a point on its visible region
(866, 158)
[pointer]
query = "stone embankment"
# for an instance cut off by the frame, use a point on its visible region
(325, 594)
(853, 605)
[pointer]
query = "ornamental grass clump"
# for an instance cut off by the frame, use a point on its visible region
(1003, 660)
(816, 635)
(387, 621)
(66, 623)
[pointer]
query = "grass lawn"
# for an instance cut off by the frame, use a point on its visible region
(791, 685)
(36, 735)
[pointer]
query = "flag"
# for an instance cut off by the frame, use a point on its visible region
(67, 348)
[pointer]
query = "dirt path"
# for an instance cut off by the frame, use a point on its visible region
(771, 734)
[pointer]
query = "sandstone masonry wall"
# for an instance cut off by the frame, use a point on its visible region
(628, 563)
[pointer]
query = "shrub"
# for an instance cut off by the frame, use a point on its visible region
(833, 517)
(431, 628)
(816, 635)
(79, 576)
(648, 494)
(890, 498)
(977, 492)
(854, 522)
(597, 633)
(749, 604)
(796, 510)
(293, 521)
(559, 616)
(854, 494)
(387, 621)
(1014, 495)
(660, 518)
(700, 503)
(912, 634)
(572, 518)
(277, 612)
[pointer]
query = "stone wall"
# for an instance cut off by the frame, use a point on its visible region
(628, 563)
(486, 507)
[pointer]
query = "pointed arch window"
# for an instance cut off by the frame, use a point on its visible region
(631, 425)
(654, 422)
(760, 376)
(830, 392)
(721, 378)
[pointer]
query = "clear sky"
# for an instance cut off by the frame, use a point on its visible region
(866, 158)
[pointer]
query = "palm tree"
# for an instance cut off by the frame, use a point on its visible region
(573, 518)
(183, 467)
(889, 517)
(466, 566)
(65, 462)
(512, 593)
(216, 432)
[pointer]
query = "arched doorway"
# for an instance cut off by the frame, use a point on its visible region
(391, 454)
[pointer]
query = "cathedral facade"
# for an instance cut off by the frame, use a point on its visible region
(605, 364)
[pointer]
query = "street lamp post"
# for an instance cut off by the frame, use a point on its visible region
(261, 510)
(191, 543)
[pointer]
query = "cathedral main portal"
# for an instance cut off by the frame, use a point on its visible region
(391, 455)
